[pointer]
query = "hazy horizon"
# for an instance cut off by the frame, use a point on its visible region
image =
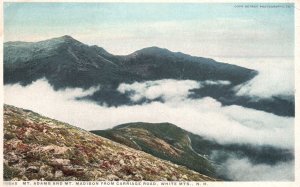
(199, 29)
(213, 57)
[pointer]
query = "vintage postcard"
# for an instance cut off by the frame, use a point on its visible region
(149, 93)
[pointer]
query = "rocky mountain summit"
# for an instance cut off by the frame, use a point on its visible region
(40, 148)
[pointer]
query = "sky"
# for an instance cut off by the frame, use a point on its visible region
(221, 30)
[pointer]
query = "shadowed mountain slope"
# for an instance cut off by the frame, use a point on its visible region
(61, 59)
(66, 62)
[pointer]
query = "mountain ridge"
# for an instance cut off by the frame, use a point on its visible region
(170, 142)
(145, 50)
(66, 62)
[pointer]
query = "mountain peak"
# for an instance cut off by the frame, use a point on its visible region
(62, 39)
(56, 40)
(153, 50)
(159, 52)
(67, 37)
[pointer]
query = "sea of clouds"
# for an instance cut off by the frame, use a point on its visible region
(203, 116)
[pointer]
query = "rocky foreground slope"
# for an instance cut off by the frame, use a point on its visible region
(40, 148)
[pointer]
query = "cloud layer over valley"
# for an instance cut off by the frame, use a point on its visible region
(205, 116)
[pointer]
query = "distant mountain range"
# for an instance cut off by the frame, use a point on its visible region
(66, 62)
(169, 142)
(40, 148)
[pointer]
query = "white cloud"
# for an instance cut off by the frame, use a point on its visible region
(275, 78)
(218, 82)
(40, 97)
(204, 116)
(166, 89)
(244, 170)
